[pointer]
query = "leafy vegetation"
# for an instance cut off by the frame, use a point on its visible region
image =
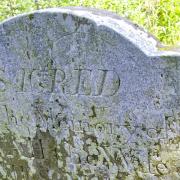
(160, 17)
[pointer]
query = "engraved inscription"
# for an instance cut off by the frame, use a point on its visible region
(85, 82)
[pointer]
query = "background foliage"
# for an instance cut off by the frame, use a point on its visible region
(160, 17)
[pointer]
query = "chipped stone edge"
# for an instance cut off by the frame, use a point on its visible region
(146, 42)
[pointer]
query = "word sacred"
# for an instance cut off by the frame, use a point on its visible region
(88, 82)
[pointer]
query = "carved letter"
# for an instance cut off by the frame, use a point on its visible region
(81, 82)
(105, 82)
(111, 84)
(42, 80)
(59, 80)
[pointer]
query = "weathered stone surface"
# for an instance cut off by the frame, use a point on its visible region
(84, 94)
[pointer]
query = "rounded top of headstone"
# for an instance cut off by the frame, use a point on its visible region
(102, 19)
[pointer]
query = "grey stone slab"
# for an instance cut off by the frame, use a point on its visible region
(86, 94)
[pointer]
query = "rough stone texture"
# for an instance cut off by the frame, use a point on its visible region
(84, 94)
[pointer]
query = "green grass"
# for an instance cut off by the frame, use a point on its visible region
(159, 17)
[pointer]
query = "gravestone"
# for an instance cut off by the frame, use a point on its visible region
(85, 94)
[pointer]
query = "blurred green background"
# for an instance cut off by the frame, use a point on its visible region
(159, 17)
